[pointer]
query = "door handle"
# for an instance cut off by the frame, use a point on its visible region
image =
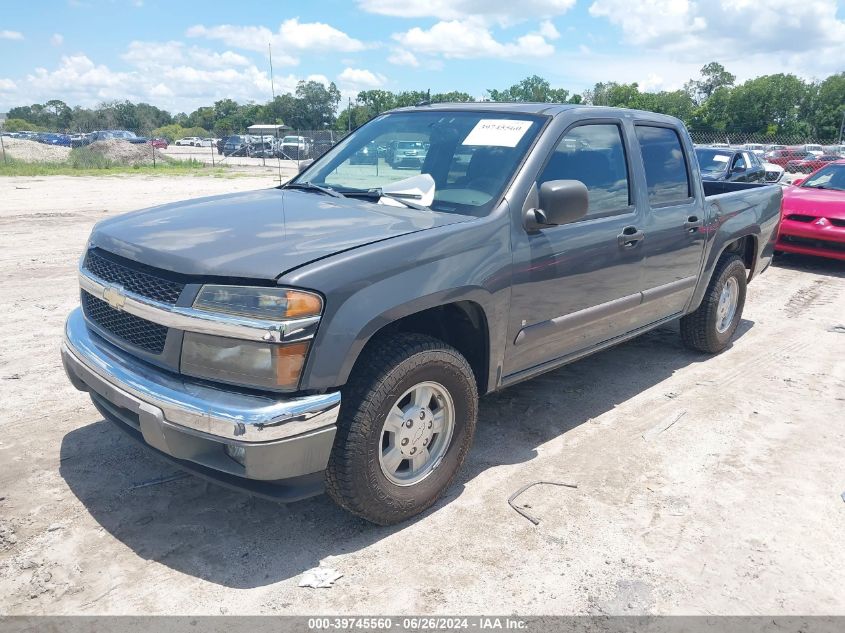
(693, 223)
(630, 237)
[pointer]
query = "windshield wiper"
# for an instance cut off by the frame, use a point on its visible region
(310, 186)
(376, 194)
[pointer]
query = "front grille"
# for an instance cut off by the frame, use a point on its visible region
(837, 222)
(139, 332)
(811, 243)
(133, 279)
(800, 217)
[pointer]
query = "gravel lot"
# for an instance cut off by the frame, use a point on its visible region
(705, 485)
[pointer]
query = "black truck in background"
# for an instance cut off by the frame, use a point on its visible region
(336, 332)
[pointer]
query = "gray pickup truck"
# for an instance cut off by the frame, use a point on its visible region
(336, 332)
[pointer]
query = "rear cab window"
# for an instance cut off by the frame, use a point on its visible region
(666, 165)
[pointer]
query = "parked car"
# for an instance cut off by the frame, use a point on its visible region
(774, 173)
(81, 140)
(221, 143)
(813, 148)
(367, 155)
(188, 141)
(757, 148)
(783, 156)
(237, 145)
(123, 135)
(811, 163)
(159, 143)
(206, 142)
(296, 147)
(730, 165)
(50, 138)
(410, 298)
(813, 220)
(405, 154)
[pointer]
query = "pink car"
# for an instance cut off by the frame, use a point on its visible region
(813, 214)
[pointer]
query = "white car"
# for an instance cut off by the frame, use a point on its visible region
(190, 141)
(774, 173)
(206, 142)
(296, 147)
(757, 148)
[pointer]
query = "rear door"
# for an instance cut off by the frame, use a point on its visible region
(673, 222)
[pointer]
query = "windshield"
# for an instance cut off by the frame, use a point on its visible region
(713, 159)
(829, 177)
(470, 156)
(290, 139)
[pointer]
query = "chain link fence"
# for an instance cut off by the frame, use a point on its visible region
(768, 143)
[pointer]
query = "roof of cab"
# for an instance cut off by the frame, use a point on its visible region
(546, 109)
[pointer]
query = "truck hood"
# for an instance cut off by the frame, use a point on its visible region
(820, 202)
(257, 234)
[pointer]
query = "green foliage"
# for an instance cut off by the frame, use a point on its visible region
(86, 158)
(533, 89)
(19, 125)
(175, 131)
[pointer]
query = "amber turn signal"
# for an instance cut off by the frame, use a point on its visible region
(290, 359)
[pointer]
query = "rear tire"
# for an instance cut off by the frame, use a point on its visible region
(710, 328)
(366, 475)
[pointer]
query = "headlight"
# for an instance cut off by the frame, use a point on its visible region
(250, 363)
(273, 304)
(276, 366)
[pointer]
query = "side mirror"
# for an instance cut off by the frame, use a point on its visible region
(560, 202)
(305, 164)
(798, 182)
(738, 169)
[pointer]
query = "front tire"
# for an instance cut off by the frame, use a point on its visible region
(710, 328)
(406, 424)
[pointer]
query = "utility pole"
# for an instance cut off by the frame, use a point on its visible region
(349, 116)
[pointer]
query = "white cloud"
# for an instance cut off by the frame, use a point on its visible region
(7, 85)
(57, 39)
(292, 38)
(503, 11)
(690, 26)
(470, 38)
(11, 35)
(360, 79)
(548, 30)
(402, 57)
(321, 79)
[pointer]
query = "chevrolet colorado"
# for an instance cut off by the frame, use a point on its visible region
(336, 332)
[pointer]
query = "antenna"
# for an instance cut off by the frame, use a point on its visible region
(273, 102)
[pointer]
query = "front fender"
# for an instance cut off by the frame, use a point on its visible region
(371, 287)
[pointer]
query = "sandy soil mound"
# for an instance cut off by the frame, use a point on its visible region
(34, 152)
(126, 153)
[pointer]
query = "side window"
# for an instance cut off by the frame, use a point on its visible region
(739, 161)
(665, 165)
(595, 155)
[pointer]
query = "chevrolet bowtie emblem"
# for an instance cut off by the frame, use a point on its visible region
(114, 297)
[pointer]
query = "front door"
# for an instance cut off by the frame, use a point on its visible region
(579, 284)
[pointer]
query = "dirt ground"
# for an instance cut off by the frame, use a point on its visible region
(705, 485)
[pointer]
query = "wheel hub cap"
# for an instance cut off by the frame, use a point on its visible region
(416, 434)
(726, 309)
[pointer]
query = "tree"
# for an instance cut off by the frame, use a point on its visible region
(316, 107)
(829, 109)
(713, 77)
(533, 89)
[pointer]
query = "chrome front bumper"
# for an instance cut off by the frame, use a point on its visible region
(192, 421)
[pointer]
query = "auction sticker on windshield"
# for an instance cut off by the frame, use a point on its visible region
(497, 132)
(721, 158)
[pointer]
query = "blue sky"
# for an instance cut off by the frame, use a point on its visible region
(183, 54)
